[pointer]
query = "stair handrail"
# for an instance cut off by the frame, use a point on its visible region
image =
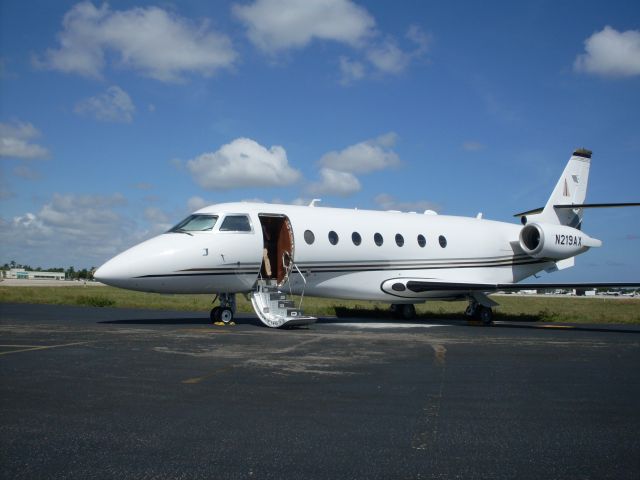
(304, 281)
(287, 266)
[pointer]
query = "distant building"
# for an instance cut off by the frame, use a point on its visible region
(21, 274)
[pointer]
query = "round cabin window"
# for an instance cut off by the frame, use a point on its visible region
(442, 240)
(399, 240)
(333, 237)
(377, 238)
(309, 237)
(422, 241)
(356, 238)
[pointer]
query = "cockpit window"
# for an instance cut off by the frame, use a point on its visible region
(236, 223)
(195, 223)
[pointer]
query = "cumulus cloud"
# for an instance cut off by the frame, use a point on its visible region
(27, 173)
(364, 157)
(243, 163)
(156, 215)
(389, 58)
(196, 203)
(114, 105)
(14, 141)
(157, 43)
(334, 182)
(70, 229)
(473, 146)
(275, 25)
(350, 70)
(610, 53)
(388, 202)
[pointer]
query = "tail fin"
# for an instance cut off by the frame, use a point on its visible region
(571, 189)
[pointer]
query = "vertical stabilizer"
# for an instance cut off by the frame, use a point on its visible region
(571, 189)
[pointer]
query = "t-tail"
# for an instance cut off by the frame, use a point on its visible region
(565, 205)
(554, 232)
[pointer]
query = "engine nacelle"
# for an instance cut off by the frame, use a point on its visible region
(556, 242)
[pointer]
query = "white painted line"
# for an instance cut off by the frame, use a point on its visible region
(388, 325)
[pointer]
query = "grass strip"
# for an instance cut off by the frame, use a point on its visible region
(512, 307)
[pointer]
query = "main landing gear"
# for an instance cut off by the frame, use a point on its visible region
(406, 311)
(227, 309)
(479, 312)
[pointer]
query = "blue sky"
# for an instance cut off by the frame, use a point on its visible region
(118, 119)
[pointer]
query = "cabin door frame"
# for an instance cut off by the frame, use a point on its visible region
(277, 239)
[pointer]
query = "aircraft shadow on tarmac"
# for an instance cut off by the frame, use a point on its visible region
(241, 320)
(387, 321)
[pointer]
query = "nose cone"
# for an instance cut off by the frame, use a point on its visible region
(132, 267)
(113, 273)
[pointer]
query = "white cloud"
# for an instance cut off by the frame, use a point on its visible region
(154, 214)
(364, 157)
(143, 186)
(196, 203)
(350, 70)
(473, 146)
(27, 173)
(611, 53)
(334, 182)
(70, 229)
(419, 38)
(243, 163)
(275, 25)
(14, 141)
(388, 202)
(387, 57)
(153, 41)
(114, 105)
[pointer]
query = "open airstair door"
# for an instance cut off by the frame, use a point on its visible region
(277, 236)
(273, 306)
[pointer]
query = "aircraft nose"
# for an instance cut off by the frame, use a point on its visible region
(114, 272)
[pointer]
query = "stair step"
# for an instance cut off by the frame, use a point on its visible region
(269, 288)
(286, 304)
(277, 296)
(294, 312)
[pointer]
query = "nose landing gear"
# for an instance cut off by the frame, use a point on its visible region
(225, 312)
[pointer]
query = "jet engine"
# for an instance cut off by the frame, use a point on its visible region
(555, 242)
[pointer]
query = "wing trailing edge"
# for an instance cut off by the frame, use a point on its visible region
(419, 286)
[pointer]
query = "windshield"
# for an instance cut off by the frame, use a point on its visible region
(195, 223)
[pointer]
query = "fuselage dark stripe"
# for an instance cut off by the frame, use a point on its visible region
(329, 268)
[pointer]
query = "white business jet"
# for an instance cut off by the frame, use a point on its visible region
(266, 250)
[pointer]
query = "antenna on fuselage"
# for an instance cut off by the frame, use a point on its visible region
(314, 201)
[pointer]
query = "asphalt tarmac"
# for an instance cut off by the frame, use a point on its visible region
(115, 393)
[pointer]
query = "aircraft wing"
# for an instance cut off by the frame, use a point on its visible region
(418, 286)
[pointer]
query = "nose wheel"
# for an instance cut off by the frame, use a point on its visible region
(225, 312)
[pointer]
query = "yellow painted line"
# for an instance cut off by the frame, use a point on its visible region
(191, 381)
(31, 348)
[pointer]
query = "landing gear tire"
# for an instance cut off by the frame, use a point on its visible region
(408, 311)
(226, 315)
(485, 315)
(215, 314)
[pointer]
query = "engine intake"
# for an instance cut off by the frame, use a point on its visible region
(555, 242)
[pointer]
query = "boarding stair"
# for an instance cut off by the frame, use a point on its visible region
(273, 305)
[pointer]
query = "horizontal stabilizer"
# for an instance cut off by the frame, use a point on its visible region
(580, 205)
(529, 212)
(598, 205)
